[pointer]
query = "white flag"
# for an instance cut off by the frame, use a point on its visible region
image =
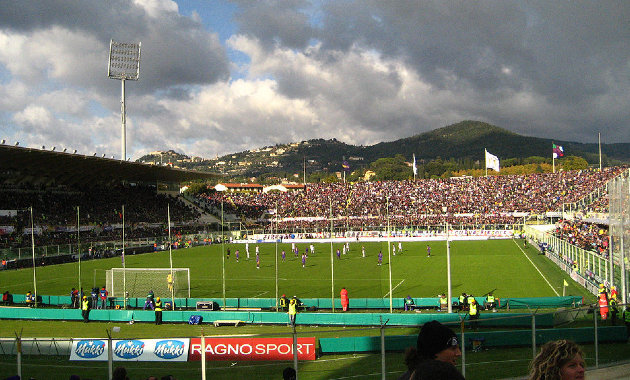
(415, 168)
(492, 161)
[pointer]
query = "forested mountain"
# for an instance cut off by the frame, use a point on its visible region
(462, 143)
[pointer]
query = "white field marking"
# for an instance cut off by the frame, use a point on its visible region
(290, 279)
(386, 294)
(541, 275)
(260, 294)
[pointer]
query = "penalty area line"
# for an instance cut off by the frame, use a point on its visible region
(541, 275)
(386, 294)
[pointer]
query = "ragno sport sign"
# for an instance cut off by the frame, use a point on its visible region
(246, 349)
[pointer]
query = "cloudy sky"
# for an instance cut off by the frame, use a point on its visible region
(218, 77)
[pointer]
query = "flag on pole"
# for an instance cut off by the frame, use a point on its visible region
(492, 161)
(558, 151)
(415, 168)
(565, 283)
(345, 165)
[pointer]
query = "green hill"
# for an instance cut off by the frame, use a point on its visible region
(465, 140)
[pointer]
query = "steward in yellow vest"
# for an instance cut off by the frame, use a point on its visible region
(473, 312)
(490, 302)
(158, 311)
(443, 302)
(292, 311)
(85, 309)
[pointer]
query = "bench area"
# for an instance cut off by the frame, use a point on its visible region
(228, 322)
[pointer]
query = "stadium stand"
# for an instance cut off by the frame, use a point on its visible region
(484, 200)
(54, 184)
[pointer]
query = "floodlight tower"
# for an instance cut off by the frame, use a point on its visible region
(124, 63)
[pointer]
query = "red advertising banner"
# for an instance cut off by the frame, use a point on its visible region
(249, 349)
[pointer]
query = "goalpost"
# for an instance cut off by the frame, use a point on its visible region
(139, 281)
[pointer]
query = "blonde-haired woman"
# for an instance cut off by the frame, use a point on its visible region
(558, 360)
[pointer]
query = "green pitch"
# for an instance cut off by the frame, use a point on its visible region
(504, 267)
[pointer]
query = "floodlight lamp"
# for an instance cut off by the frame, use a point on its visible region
(17, 143)
(2, 142)
(124, 60)
(74, 151)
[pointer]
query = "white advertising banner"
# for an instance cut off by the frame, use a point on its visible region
(145, 350)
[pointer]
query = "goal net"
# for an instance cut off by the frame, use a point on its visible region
(139, 281)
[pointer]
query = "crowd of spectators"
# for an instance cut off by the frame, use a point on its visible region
(100, 213)
(492, 199)
(588, 236)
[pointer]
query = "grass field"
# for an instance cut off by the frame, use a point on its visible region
(504, 267)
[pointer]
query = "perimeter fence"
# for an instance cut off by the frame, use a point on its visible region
(492, 348)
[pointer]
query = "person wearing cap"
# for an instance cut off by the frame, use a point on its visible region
(74, 298)
(284, 301)
(85, 309)
(436, 342)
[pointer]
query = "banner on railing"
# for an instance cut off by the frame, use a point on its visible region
(146, 350)
(250, 349)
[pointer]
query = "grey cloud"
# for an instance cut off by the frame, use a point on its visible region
(276, 22)
(568, 53)
(175, 50)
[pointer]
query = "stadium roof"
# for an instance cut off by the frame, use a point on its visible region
(20, 166)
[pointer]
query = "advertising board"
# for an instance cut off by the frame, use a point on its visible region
(252, 349)
(146, 350)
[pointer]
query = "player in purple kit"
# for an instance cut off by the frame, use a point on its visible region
(284, 255)
(237, 255)
(303, 260)
(380, 258)
(338, 253)
(428, 250)
(257, 261)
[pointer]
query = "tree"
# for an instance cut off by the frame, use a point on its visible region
(196, 188)
(574, 163)
(391, 168)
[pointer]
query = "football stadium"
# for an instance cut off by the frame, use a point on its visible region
(106, 263)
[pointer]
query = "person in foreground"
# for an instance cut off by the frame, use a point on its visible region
(558, 360)
(435, 354)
